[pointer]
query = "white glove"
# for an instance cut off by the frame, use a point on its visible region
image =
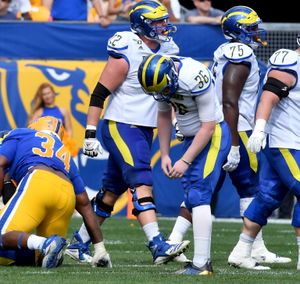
(91, 145)
(101, 257)
(257, 140)
(233, 159)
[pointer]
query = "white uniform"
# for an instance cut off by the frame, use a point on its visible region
(283, 125)
(195, 100)
(237, 53)
(129, 103)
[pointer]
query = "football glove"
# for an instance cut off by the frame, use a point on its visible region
(91, 145)
(101, 257)
(257, 140)
(233, 159)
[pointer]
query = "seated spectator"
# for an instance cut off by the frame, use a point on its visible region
(118, 10)
(204, 13)
(77, 10)
(43, 104)
(20, 6)
(6, 15)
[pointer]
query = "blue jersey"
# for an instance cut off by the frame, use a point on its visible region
(54, 111)
(25, 148)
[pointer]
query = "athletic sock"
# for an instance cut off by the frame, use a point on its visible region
(180, 228)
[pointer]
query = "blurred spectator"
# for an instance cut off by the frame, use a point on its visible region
(43, 104)
(4, 13)
(204, 13)
(22, 6)
(75, 10)
(173, 7)
(118, 10)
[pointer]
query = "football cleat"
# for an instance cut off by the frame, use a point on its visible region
(52, 251)
(191, 269)
(265, 256)
(238, 261)
(78, 250)
(164, 251)
(182, 259)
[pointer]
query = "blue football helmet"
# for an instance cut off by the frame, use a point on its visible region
(143, 17)
(240, 23)
(158, 77)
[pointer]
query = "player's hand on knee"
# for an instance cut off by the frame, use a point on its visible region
(233, 159)
(101, 257)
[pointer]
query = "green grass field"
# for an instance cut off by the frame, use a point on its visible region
(132, 261)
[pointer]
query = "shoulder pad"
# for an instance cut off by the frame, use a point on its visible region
(237, 52)
(195, 75)
(283, 58)
(118, 42)
(170, 48)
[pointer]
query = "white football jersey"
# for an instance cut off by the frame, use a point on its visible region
(195, 100)
(129, 103)
(283, 125)
(236, 52)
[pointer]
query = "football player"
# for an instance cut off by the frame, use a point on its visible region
(277, 118)
(127, 130)
(237, 79)
(191, 93)
(49, 188)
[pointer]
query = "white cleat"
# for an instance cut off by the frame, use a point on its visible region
(245, 262)
(265, 256)
(182, 259)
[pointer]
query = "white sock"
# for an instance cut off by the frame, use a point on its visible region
(180, 228)
(151, 230)
(244, 246)
(83, 233)
(244, 203)
(298, 242)
(35, 242)
(202, 226)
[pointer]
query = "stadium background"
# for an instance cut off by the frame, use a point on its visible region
(71, 57)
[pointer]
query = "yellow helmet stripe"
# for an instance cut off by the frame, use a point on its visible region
(250, 18)
(145, 68)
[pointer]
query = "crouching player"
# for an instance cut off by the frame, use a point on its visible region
(49, 189)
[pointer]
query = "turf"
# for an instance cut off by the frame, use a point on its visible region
(132, 261)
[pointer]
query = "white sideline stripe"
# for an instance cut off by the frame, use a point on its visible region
(219, 220)
(237, 220)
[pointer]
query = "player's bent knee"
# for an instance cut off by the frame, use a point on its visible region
(261, 208)
(142, 204)
(296, 215)
(100, 208)
(198, 196)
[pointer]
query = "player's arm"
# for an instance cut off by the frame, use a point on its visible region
(275, 88)
(112, 77)
(270, 98)
(164, 130)
(234, 79)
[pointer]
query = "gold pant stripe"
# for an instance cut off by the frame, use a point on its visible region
(121, 145)
(291, 163)
(213, 151)
(252, 156)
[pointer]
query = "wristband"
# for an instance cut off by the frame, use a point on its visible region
(90, 131)
(185, 161)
